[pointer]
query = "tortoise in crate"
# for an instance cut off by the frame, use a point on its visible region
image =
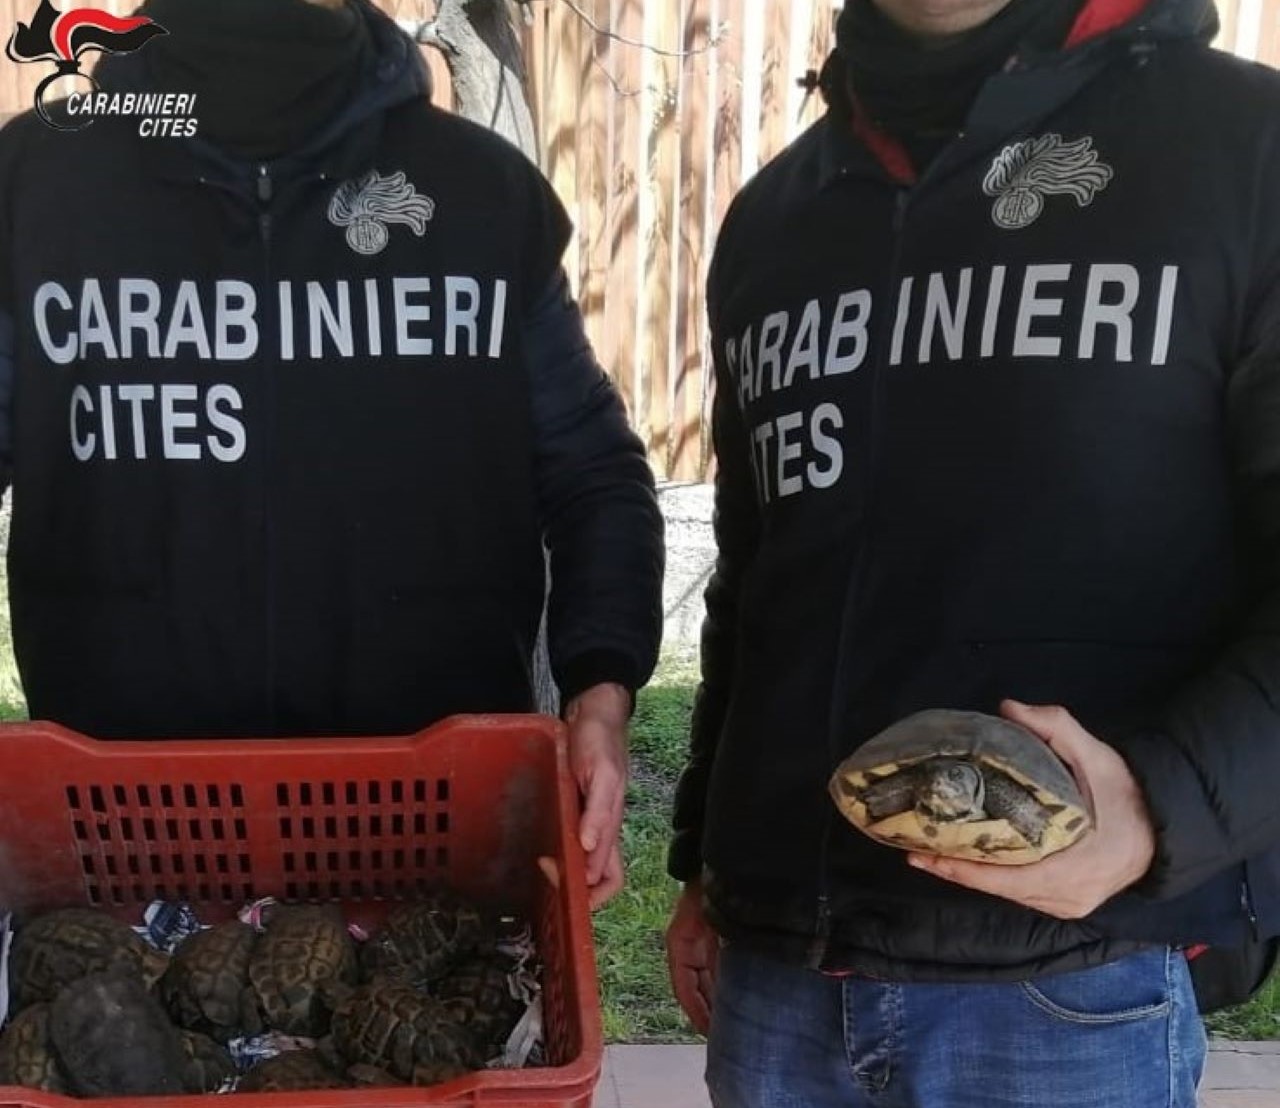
(207, 1066)
(207, 988)
(421, 941)
(54, 949)
(478, 994)
(113, 1038)
(27, 1057)
(962, 784)
(303, 948)
(292, 1071)
(389, 1025)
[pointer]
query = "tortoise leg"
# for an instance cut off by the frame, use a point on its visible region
(890, 795)
(1007, 800)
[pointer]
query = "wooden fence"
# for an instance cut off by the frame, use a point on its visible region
(650, 115)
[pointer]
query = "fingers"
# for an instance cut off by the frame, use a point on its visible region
(1061, 732)
(693, 949)
(692, 980)
(694, 1000)
(1009, 882)
(602, 815)
(611, 880)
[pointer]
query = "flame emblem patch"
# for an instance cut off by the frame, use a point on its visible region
(1023, 174)
(366, 206)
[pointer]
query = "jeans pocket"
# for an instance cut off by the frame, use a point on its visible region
(1137, 987)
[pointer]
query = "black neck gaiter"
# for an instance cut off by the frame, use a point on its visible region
(267, 74)
(916, 87)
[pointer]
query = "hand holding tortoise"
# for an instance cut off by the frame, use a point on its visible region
(1095, 836)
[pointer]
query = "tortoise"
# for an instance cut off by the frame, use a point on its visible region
(208, 1065)
(206, 987)
(27, 1057)
(113, 1038)
(363, 1076)
(420, 941)
(57, 948)
(303, 947)
(962, 784)
(390, 1025)
(478, 995)
(292, 1071)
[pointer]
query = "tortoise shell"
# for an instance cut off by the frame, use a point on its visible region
(962, 784)
(478, 995)
(206, 987)
(393, 1026)
(57, 948)
(113, 1038)
(27, 1057)
(292, 1071)
(207, 1065)
(421, 941)
(302, 948)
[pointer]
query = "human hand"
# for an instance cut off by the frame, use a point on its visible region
(597, 719)
(1110, 857)
(693, 948)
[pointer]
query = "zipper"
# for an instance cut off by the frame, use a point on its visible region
(1246, 906)
(857, 572)
(264, 188)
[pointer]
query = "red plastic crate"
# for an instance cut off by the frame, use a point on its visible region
(475, 802)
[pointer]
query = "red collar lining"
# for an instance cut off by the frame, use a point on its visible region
(1100, 16)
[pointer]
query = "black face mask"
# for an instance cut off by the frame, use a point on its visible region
(267, 74)
(918, 87)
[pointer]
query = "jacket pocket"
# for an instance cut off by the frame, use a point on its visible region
(1136, 987)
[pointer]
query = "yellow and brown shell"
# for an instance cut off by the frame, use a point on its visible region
(1043, 809)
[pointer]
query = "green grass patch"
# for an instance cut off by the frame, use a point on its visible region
(1259, 1019)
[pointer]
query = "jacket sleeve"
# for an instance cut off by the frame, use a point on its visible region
(598, 506)
(7, 370)
(737, 532)
(1208, 772)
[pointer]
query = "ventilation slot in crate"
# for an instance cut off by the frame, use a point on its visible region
(144, 842)
(402, 830)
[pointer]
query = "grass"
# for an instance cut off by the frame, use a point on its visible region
(1259, 1019)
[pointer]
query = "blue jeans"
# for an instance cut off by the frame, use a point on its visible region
(1122, 1035)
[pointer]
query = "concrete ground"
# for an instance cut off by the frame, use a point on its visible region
(1238, 1075)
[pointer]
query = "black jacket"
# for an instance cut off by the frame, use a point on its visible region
(1008, 430)
(287, 440)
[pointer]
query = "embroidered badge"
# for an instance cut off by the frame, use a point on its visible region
(1023, 174)
(366, 206)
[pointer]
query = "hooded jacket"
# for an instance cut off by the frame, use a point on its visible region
(1007, 429)
(287, 440)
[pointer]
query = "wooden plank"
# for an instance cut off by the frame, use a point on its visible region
(622, 332)
(1228, 13)
(594, 114)
(728, 122)
(696, 124)
(774, 129)
(658, 227)
(751, 19)
(564, 49)
(1269, 39)
(821, 42)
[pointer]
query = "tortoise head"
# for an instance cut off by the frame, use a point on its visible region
(950, 790)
